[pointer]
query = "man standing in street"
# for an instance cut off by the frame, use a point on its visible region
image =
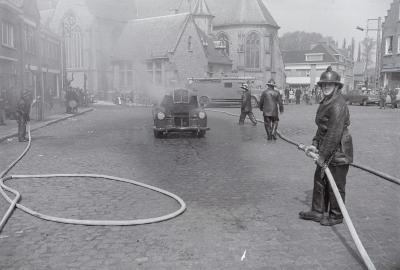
(246, 108)
(2, 107)
(269, 102)
(333, 143)
(382, 98)
(23, 110)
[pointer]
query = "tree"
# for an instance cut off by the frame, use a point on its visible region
(299, 40)
(368, 45)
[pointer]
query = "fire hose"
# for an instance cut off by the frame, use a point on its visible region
(364, 255)
(14, 203)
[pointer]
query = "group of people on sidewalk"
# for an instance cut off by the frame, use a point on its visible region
(332, 142)
(383, 93)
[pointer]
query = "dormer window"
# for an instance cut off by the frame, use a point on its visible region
(313, 57)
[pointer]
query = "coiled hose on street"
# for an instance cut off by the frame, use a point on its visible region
(364, 255)
(14, 203)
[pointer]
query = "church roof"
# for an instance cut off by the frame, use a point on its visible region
(150, 37)
(213, 55)
(201, 8)
(228, 12)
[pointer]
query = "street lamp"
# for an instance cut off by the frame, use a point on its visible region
(378, 47)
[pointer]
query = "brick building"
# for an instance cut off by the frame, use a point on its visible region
(303, 68)
(30, 56)
(390, 69)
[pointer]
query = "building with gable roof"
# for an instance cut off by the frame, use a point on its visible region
(166, 51)
(390, 53)
(247, 31)
(303, 68)
(240, 33)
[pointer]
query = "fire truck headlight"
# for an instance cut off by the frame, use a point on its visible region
(202, 115)
(161, 116)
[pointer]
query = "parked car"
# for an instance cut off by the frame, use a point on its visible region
(179, 111)
(362, 97)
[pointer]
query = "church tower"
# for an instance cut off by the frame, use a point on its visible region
(202, 16)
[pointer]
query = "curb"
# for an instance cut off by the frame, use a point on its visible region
(45, 124)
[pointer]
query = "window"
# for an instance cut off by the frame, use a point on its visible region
(228, 85)
(29, 38)
(389, 45)
(225, 42)
(253, 51)
(241, 38)
(190, 49)
(158, 72)
(398, 44)
(7, 34)
(122, 74)
(73, 43)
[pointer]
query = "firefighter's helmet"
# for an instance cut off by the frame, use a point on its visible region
(271, 82)
(330, 76)
(245, 86)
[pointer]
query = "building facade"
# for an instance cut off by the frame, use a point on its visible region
(390, 53)
(30, 57)
(304, 68)
(246, 31)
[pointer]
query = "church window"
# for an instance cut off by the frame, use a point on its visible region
(253, 51)
(225, 42)
(7, 34)
(73, 42)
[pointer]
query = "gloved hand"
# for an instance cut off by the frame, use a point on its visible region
(310, 149)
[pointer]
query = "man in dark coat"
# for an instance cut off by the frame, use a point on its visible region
(269, 101)
(246, 108)
(298, 95)
(23, 110)
(333, 144)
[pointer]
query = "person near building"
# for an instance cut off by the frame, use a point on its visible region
(2, 107)
(393, 93)
(298, 95)
(333, 143)
(382, 98)
(23, 110)
(246, 107)
(270, 100)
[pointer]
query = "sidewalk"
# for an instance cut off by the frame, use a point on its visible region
(11, 128)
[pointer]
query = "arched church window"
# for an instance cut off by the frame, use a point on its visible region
(225, 42)
(73, 42)
(189, 45)
(253, 51)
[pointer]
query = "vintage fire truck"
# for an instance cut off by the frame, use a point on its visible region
(224, 91)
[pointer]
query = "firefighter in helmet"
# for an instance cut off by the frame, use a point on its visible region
(333, 143)
(269, 101)
(246, 108)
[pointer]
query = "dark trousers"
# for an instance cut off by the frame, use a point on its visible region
(271, 125)
(324, 199)
(21, 129)
(251, 117)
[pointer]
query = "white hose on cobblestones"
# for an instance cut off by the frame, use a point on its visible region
(364, 255)
(14, 203)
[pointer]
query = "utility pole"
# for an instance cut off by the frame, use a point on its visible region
(378, 50)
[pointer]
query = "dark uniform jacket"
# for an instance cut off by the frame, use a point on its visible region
(269, 101)
(23, 109)
(333, 139)
(246, 102)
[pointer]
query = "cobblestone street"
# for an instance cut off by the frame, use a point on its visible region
(243, 195)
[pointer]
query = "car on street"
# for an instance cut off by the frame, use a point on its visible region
(179, 111)
(361, 97)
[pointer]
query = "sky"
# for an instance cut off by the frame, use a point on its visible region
(336, 18)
